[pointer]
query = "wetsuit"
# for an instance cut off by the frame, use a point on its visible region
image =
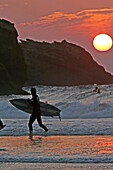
(36, 114)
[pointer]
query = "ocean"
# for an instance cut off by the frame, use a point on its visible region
(84, 136)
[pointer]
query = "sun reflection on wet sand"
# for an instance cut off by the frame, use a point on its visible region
(57, 146)
(105, 145)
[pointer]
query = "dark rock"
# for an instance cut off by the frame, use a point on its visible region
(61, 63)
(12, 64)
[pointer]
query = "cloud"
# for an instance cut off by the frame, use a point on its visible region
(3, 5)
(53, 18)
(86, 22)
(98, 21)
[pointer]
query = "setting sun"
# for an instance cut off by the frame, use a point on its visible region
(102, 42)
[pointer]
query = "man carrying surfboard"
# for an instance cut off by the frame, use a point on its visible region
(36, 114)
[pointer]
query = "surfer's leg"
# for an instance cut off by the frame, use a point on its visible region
(31, 120)
(40, 123)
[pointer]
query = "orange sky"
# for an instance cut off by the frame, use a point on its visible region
(74, 20)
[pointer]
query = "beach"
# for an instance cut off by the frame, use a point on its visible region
(83, 139)
(55, 166)
(56, 152)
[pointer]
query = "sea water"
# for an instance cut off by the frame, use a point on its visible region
(75, 102)
(83, 112)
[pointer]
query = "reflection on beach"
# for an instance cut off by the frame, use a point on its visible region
(104, 145)
(63, 146)
(36, 141)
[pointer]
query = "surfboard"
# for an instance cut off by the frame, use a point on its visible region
(46, 109)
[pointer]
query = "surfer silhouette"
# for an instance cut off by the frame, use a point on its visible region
(36, 114)
(96, 90)
(1, 125)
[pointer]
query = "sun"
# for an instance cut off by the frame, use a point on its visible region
(102, 42)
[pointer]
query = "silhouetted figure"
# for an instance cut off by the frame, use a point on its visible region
(96, 89)
(1, 125)
(36, 114)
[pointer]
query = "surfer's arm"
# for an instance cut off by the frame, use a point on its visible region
(30, 102)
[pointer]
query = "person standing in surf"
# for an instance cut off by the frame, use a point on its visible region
(1, 125)
(36, 114)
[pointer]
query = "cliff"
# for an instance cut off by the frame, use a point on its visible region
(12, 64)
(61, 63)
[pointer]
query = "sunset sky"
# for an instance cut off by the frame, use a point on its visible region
(55, 20)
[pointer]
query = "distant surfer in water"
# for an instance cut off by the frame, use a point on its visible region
(96, 90)
(1, 125)
(36, 114)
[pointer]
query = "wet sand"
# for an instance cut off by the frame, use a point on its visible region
(55, 166)
(56, 152)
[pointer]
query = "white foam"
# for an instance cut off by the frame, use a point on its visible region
(74, 102)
